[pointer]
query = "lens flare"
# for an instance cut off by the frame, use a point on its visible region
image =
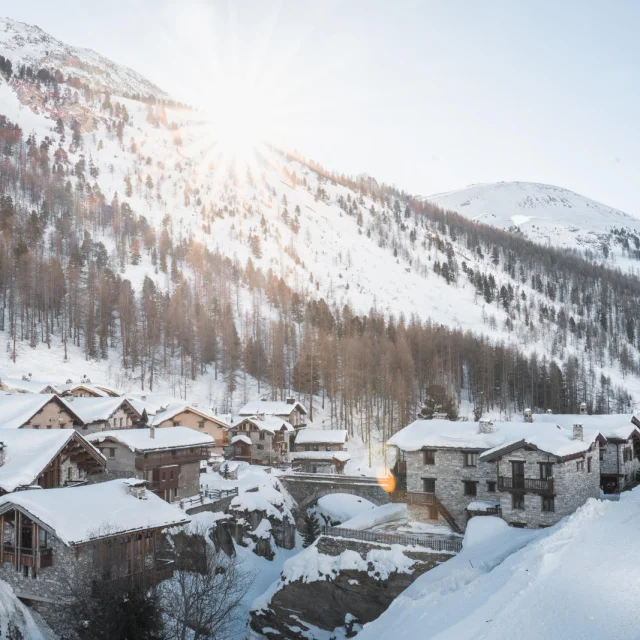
(386, 480)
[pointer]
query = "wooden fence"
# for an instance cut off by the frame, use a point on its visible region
(436, 543)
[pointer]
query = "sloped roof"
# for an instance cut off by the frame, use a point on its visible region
(97, 409)
(267, 423)
(176, 408)
(321, 436)
(613, 425)
(80, 514)
(27, 452)
(241, 438)
(549, 437)
(164, 438)
(28, 386)
(271, 407)
(18, 408)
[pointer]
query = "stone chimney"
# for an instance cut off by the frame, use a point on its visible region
(291, 400)
(152, 432)
(528, 415)
(578, 432)
(1, 453)
(137, 488)
(260, 416)
(485, 426)
(583, 408)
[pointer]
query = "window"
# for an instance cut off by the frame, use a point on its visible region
(429, 485)
(588, 465)
(201, 424)
(470, 459)
(517, 501)
(260, 447)
(580, 465)
(433, 513)
(429, 457)
(171, 474)
(546, 470)
(112, 452)
(69, 473)
(601, 454)
(548, 504)
(470, 488)
(517, 525)
(327, 448)
(262, 435)
(491, 486)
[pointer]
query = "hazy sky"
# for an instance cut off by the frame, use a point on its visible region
(431, 96)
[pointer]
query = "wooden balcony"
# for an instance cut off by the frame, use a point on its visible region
(534, 485)
(414, 497)
(165, 458)
(28, 556)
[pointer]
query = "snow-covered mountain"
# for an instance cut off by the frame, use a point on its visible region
(544, 213)
(29, 45)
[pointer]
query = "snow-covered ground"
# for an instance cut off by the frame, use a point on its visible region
(340, 507)
(16, 620)
(577, 579)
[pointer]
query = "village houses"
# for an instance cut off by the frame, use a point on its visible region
(320, 450)
(290, 410)
(37, 411)
(46, 535)
(531, 475)
(261, 439)
(169, 459)
(100, 414)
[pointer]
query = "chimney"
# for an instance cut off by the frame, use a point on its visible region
(549, 412)
(1, 453)
(291, 400)
(260, 416)
(485, 426)
(528, 415)
(583, 408)
(137, 488)
(578, 432)
(152, 432)
(143, 398)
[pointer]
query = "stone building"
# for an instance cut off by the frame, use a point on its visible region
(101, 414)
(37, 411)
(320, 450)
(46, 459)
(289, 410)
(45, 535)
(532, 475)
(169, 459)
(261, 439)
(196, 418)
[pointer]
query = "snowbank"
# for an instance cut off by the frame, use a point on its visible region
(340, 507)
(379, 515)
(12, 611)
(574, 580)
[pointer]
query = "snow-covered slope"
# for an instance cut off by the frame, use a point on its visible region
(16, 620)
(29, 45)
(577, 579)
(545, 213)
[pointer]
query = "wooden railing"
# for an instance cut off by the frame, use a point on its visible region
(510, 483)
(28, 555)
(436, 543)
(425, 498)
(490, 511)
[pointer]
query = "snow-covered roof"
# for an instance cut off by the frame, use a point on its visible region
(321, 436)
(271, 407)
(613, 425)
(164, 438)
(483, 505)
(16, 409)
(341, 456)
(28, 386)
(96, 409)
(547, 436)
(70, 388)
(241, 438)
(28, 451)
(80, 514)
(176, 408)
(266, 423)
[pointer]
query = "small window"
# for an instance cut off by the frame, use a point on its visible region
(602, 454)
(517, 501)
(69, 473)
(260, 447)
(429, 457)
(171, 474)
(201, 424)
(548, 504)
(112, 452)
(470, 459)
(517, 525)
(470, 488)
(429, 485)
(580, 465)
(588, 465)
(546, 470)
(491, 486)
(262, 435)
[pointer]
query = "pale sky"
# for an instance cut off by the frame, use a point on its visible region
(430, 95)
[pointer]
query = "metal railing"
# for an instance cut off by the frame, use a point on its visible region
(435, 543)
(510, 483)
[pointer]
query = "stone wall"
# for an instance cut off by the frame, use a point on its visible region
(51, 416)
(613, 462)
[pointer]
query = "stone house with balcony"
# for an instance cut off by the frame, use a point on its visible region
(32, 458)
(102, 414)
(45, 535)
(320, 450)
(289, 410)
(530, 475)
(37, 411)
(194, 417)
(168, 459)
(261, 439)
